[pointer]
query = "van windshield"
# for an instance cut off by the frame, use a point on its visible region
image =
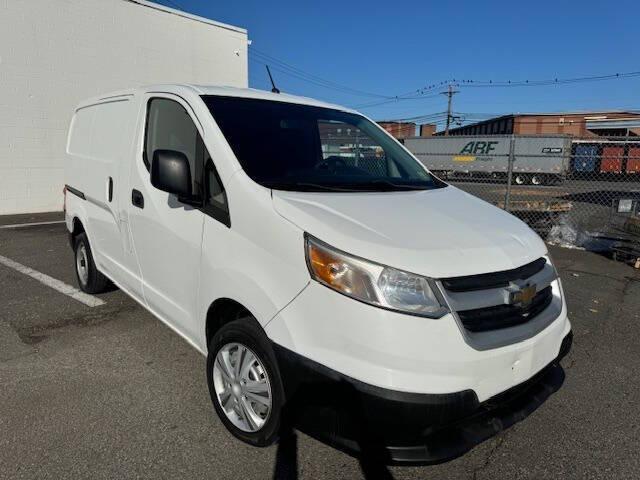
(287, 146)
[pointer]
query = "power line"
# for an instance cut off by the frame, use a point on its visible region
(289, 69)
(449, 93)
(395, 99)
(461, 83)
(547, 82)
(421, 93)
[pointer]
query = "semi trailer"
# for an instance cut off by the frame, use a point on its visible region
(536, 160)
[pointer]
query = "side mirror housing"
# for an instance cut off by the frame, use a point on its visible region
(170, 172)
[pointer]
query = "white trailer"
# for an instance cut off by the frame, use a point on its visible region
(53, 53)
(536, 159)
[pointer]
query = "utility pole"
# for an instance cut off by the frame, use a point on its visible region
(449, 93)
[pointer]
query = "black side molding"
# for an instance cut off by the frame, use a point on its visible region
(75, 191)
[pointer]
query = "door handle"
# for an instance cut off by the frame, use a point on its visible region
(110, 189)
(137, 199)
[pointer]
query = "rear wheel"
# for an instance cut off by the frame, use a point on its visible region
(89, 278)
(244, 382)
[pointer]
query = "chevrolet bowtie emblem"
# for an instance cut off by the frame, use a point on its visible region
(523, 296)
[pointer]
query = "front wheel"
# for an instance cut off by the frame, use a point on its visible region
(244, 382)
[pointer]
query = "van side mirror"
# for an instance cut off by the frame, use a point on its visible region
(170, 172)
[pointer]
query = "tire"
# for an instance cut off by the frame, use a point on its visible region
(521, 179)
(232, 399)
(537, 180)
(89, 278)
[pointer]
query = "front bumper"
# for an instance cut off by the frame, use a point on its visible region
(406, 353)
(400, 427)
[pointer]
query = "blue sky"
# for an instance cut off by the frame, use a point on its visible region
(392, 48)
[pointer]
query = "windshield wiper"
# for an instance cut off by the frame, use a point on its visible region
(371, 185)
(330, 188)
(399, 186)
(308, 186)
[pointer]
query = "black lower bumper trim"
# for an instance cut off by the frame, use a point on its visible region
(398, 427)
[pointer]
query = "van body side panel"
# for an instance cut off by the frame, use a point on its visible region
(99, 143)
(259, 262)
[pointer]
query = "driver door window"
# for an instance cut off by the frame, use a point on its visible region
(169, 127)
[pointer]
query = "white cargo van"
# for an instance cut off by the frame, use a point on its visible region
(333, 283)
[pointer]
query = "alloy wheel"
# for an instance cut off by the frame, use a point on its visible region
(242, 387)
(82, 264)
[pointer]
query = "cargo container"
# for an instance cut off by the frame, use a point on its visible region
(585, 158)
(597, 159)
(633, 159)
(611, 160)
(537, 160)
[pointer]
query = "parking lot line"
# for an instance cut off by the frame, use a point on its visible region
(32, 224)
(88, 300)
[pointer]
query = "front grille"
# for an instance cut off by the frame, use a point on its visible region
(486, 281)
(504, 316)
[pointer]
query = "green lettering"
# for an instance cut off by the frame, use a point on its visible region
(480, 147)
(468, 148)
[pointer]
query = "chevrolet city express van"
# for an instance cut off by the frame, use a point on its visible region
(329, 278)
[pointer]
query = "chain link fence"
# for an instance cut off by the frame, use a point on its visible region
(582, 192)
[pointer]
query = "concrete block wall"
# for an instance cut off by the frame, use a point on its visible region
(54, 53)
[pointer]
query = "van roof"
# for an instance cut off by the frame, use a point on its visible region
(215, 90)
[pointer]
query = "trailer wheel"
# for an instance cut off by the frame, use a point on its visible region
(537, 180)
(520, 179)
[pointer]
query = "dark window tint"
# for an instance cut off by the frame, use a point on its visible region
(215, 194)
(169, 127)
(298, 147)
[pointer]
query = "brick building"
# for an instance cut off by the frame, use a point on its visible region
(579, 124)
(401, 130)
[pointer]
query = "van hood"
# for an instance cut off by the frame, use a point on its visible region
(437, 233)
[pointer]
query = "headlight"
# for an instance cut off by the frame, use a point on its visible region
(372, 283)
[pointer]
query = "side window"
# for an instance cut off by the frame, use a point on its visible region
(215, 196)
(170, 127)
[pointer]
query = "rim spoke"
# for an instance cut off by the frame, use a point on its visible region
(249, 414)
(225, 365)
(257, 387)
(242, 416)
(264, 400)
(247, 362)
(240, 354)
(224, 398)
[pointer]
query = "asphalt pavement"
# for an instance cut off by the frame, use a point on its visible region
(110, 392)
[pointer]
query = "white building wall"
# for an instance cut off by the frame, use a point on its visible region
(54, 53)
